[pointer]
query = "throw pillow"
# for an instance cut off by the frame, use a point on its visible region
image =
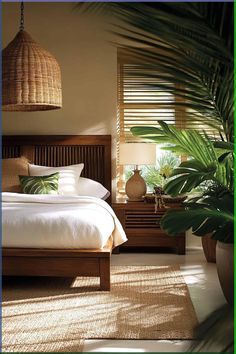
(40, 184)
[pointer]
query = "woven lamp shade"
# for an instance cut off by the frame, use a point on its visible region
(31, 76)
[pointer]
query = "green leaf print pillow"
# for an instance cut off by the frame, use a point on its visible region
(40, 184)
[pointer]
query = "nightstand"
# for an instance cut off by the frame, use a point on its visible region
(141, 224)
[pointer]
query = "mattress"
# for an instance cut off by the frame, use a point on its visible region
(53, 221)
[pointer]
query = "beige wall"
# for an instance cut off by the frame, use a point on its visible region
(88, 65)
(89, 73)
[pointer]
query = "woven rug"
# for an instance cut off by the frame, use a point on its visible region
(56, 315)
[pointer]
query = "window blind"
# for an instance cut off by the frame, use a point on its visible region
(142, 101)
(146, 96)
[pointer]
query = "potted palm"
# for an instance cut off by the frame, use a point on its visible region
(213, 210)
(210, 214)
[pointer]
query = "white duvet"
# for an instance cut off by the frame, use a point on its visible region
(53, 221)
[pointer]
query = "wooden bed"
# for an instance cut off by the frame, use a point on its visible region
(53, 150)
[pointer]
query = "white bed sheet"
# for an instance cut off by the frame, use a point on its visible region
(53, 221)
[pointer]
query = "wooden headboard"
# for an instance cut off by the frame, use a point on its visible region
(63, 150)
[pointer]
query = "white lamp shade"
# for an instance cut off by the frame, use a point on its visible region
(137, 154)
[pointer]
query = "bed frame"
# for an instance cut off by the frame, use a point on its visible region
(53, 150)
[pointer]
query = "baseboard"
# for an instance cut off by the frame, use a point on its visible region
(194, 248)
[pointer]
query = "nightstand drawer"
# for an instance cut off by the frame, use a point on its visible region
(142, 226)
(143, 219)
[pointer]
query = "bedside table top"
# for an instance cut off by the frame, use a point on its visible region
(126, 202)
(122, 203)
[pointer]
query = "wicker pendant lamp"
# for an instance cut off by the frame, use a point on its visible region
(31, 76)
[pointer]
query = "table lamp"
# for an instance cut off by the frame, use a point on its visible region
(137, 154)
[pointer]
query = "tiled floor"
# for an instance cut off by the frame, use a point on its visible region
(201, 278)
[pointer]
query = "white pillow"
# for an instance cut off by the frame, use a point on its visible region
(91, 188)
(68, 176)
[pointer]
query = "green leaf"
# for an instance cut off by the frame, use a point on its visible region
(205, 215)
(224, 145)
(222, 157)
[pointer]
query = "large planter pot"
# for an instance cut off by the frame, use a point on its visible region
(225, 269)
(209, 248)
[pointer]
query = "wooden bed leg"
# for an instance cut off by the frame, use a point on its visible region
(116, 250)
(104, 270)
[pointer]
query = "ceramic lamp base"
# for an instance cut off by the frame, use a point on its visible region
(135, 188)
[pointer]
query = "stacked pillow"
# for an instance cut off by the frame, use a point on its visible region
(70, 182)
(68, 176)
(20, 176)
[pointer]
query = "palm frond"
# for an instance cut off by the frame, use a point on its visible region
(208, 215)
(205, 163)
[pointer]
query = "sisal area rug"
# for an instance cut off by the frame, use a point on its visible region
(56, 315)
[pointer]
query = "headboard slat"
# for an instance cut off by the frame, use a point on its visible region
(11, 151)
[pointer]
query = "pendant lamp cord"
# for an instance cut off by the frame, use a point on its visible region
(22, 16)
